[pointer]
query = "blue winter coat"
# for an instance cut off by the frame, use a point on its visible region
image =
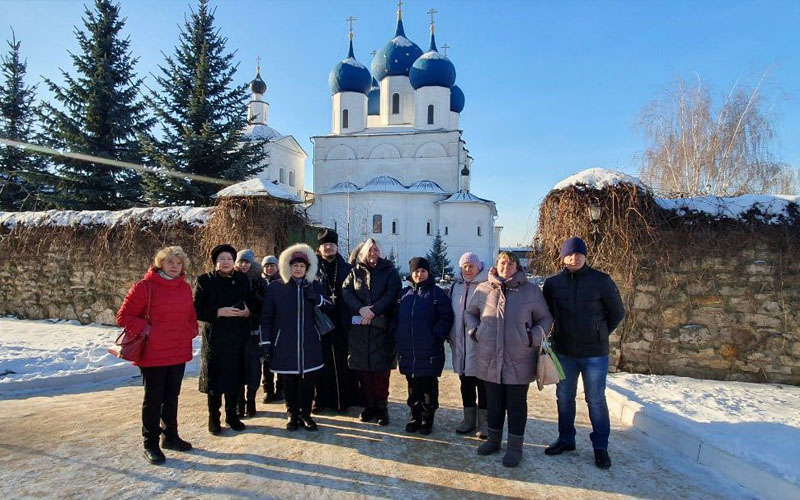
(287, 325)
(424, 318)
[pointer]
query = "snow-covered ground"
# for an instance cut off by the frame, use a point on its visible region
(756, 422)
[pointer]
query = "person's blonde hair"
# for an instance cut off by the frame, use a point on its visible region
(166, 252)
(509, 256)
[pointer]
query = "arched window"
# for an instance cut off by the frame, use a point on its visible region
(479, 230)
(428, 228)
(395, 104)
(291, 177)
(377, 224)
(446, 230)
(282, 176)
(345, 119)
(430, 114)
(394, 226)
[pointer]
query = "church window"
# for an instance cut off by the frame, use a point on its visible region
(428, 228)
(345, 118)
(282, 176)
(430, 114)
(291, 177)
(395, 104)
(377, 224)
(479, 230)
(446, 230)
(394, 226)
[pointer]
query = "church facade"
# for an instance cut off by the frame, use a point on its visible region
(395, 165)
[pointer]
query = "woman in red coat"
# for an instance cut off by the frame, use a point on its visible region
(173, 325)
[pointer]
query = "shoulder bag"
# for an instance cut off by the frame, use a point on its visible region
(548, 368)
(130, 346)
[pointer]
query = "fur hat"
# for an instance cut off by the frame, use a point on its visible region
(269, 259)
(419, 263)
(246, 255)
(327, 236)
(299, 251)
(222, 249)
(573, 245)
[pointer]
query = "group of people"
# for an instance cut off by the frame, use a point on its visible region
(332, 330)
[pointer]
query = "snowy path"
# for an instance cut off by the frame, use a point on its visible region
(88, 444)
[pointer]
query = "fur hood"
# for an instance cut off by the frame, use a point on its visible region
(283, 262)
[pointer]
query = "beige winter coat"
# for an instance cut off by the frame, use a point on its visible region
(508, 321)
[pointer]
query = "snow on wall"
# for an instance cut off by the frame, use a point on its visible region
(597, 178)
(194, 216)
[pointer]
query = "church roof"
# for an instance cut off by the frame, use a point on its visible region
(343, 187)
(259, 132)
(384, 183)
(350, 75)
(387, 183)
(257, 188)
(257, 86)
(456, 99)
(432, 69)
(467, 197)
(426, 186)
(396, 57)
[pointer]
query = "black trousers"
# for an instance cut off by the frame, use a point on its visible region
(423, 392)
(162, 386)
(271, 386)
(510, 399)
(469, 387)
(298, 391)
(215, 402)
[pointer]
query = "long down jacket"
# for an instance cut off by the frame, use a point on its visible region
(224, 338)
(173, 322)
(463, 348)
(424, 318)
(372, 347)
(508, 319)
(287, 317)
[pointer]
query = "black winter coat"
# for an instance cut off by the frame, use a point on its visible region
(341, 315)
(222, 351)
(287, 325)
(371, 347)
(586, 308)
(424, 318)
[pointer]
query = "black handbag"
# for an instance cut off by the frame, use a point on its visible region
(323, 322)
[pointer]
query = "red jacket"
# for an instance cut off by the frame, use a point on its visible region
(173, 321)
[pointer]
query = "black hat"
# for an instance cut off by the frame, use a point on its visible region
(573, 245)
(419, 263)
(221, 249)
(328, 236)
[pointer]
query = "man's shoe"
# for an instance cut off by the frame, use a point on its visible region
(558, 448)
(235, 424)
(368, 414)
(292, 423)
(250, 408)
(175, 444)
(382, 413)
(601, 459)
(153, 454)
(308, 423)
(214, 426)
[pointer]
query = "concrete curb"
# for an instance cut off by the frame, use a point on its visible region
(761, 483)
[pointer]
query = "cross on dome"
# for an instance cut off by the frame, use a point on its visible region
(445, 47)
(350, 20)
(432, 12)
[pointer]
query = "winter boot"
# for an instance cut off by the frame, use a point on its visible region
(369, 412)
(382, 412)
(414, 424)
(482, 431)
(175, 443)
(307, 422)
(240, 407)
(153, 453)
(427, 421)
(250, 408)
(214, 403)
(601, 458)
(468, 423)
(493, 443)
(232, 415)
(513, 450)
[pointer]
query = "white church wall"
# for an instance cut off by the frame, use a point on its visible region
(401, 85)
(356, 105)
(439, 99)
(279, 156)
(462, 221)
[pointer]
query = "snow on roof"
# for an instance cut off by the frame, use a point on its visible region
(432, 54)
(769, 209)
(353, 62)
(465, 197)
(384, 183)
(402, 41)
(195, 216)
(343, 187)
(258, 131)
(598, 178)
(426, 186)
(257, 187)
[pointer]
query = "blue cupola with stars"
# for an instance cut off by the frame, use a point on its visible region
(374, 99)
(456, 99)
(432, 69)
(350, 75)
(396, 57)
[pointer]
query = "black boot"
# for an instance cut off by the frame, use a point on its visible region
(153, 453)
(292, 421)
(250, 409)
(308, 423)
(427, 421)
(601, 458)
(240, 407)
(382, 412)
(214, 403)
(231, 414)
(175, 443)
(369, 412)
(414, 424)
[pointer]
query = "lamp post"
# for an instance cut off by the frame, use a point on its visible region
(595, 213)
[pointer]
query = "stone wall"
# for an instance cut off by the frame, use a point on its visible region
(82, 272)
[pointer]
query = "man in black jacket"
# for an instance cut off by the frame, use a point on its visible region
(586, 308)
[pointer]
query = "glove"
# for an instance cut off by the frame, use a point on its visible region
(266, 353)
(309, 293)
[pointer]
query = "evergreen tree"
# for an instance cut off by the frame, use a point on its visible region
(202, 116)
(22, 174)
(99, 113)
(437, 257)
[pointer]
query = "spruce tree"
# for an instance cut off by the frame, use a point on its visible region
(22, 174)
(437, 257)
(202, 116)
(99, 113)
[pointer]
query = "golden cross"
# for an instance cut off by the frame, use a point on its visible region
(350, 20)
(432, 12)
(400, 8)
(445, 47)
(373, 53)
(258, 70)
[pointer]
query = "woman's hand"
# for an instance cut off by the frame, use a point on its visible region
(231, 312)
(245, 313)
(366, 314)
(365, 321)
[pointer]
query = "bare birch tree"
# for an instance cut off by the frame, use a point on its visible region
(695, 149)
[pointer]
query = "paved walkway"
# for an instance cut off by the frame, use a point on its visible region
(87, 444)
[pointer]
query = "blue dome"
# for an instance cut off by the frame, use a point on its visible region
(349, 75)
(456, 99)
(432, 69)
(396, 57)
(374, 99)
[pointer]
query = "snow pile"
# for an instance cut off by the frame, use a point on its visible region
(257, 187)
(757, 422)
(45, 354)
(195, 216)
(597, 178)
(765, 208)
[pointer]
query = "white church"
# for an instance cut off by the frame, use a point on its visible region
(394, 166)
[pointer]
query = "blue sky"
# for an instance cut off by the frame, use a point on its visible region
(552, 87)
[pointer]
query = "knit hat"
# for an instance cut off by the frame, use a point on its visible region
(269, 259)
(573, 245)
(328, 236)
(299, 257)
(419, 263)
(245, 255)
(470, 257)
(221, 249)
